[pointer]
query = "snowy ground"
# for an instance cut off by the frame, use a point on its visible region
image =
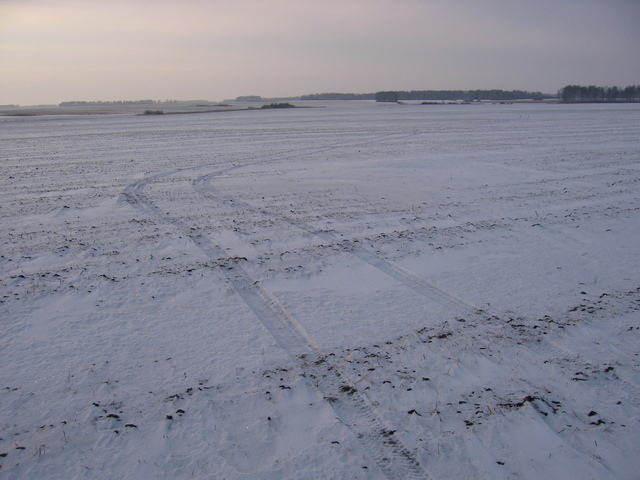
(360, 291)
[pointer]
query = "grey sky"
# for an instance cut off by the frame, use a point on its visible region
(52, 51)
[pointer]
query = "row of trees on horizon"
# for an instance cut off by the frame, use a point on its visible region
(592, 93)
(440, 95)
(568, 94)
(83, 103)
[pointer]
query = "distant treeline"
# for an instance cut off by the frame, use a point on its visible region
(249, 98)
(590, 94)
(434, 95)
(82, 103)
(339, 96)
(79, 103)
(470, 95)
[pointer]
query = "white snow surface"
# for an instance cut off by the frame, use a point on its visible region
(360, 291)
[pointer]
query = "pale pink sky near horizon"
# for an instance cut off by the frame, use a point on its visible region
(57, 50)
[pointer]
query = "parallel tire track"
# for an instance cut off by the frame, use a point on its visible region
(351, 407)
(409, 279)
(420, 285)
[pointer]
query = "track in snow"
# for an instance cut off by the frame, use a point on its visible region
(393, 459)
(419, 284)
(422, 286)
(322, 371)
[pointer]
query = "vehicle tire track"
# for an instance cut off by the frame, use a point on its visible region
(351, 407)
(409, 279)
(420, 285)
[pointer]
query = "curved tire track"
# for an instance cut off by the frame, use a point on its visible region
(420, 285)
(351, 407)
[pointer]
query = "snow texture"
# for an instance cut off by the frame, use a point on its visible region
(359, 291)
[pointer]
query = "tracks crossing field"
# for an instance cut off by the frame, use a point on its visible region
(364, 290)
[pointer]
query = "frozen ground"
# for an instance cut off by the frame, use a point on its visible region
(360, 291)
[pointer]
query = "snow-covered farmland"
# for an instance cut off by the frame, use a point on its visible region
(359, 291)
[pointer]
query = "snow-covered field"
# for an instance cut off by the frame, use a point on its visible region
(361, 291)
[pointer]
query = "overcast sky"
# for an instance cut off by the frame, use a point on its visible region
(58, 50)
